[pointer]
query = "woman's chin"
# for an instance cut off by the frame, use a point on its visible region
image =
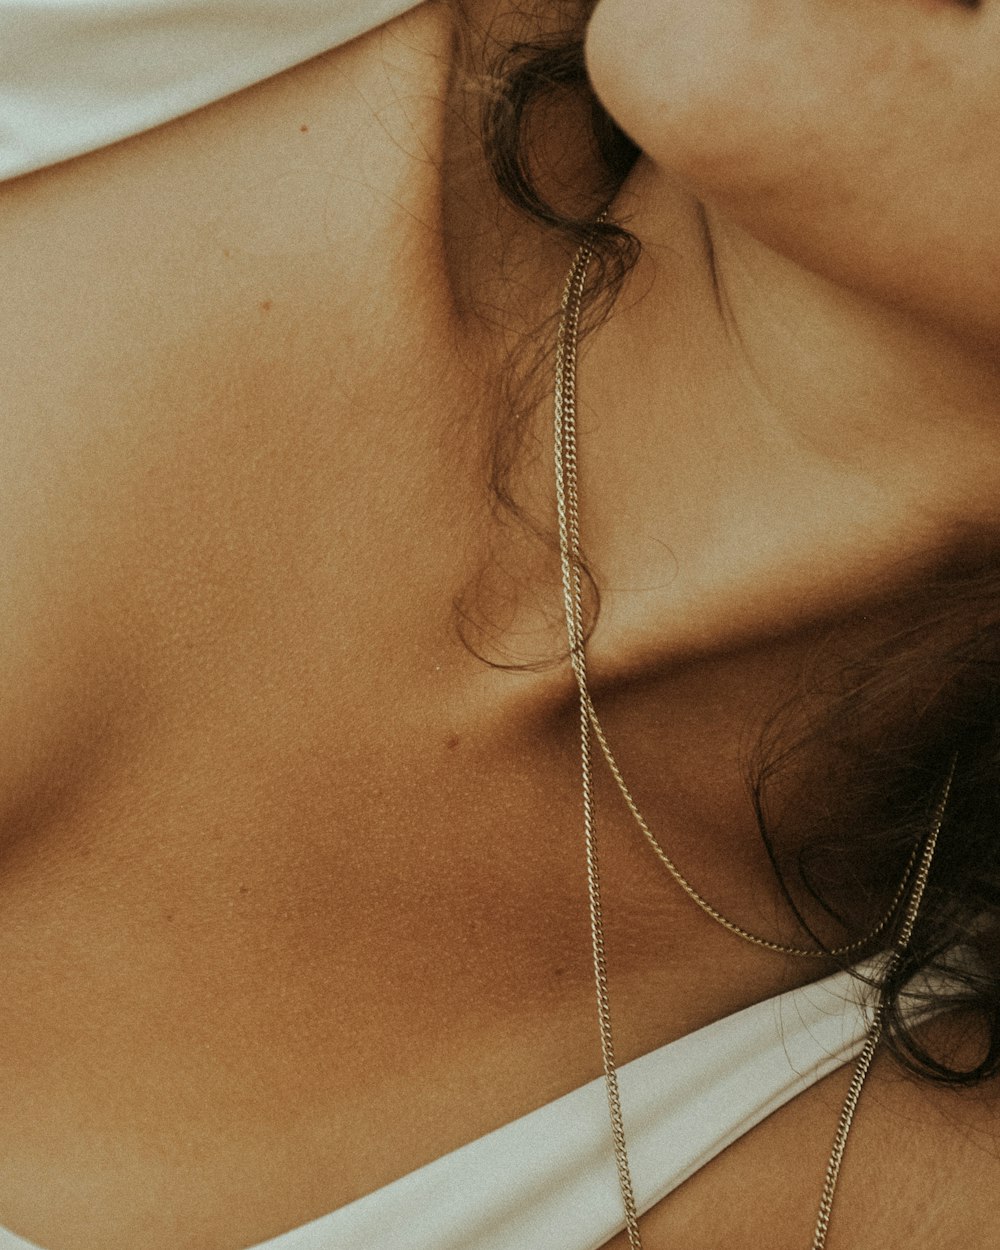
(853, 138)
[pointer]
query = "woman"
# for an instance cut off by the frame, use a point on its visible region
(294, 896)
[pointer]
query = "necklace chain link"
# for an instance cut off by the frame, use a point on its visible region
(911, 886)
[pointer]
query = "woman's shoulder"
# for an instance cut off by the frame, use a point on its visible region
(211, 279)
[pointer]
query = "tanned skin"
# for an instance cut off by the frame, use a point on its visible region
(291, 886)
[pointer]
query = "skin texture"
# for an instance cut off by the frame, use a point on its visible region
(262, 811)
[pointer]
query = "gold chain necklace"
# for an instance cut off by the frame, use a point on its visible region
(915, 875)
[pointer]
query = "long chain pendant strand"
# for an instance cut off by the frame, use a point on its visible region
(567, 505)
(916, 871)
(864, 1063)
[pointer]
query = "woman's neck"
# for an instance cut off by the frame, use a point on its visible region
(761, 450)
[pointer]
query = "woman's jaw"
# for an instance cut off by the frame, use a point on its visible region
(857, 137)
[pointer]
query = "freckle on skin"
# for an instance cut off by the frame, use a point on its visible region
(265, 305)
(452, 742)
(304, 129)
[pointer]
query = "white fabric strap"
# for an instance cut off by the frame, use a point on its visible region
(548, 1179)
(76, 75)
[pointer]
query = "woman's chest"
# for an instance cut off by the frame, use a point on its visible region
(257, 975)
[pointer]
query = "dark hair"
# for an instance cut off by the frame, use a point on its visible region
(523, 77)
(892, 719)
